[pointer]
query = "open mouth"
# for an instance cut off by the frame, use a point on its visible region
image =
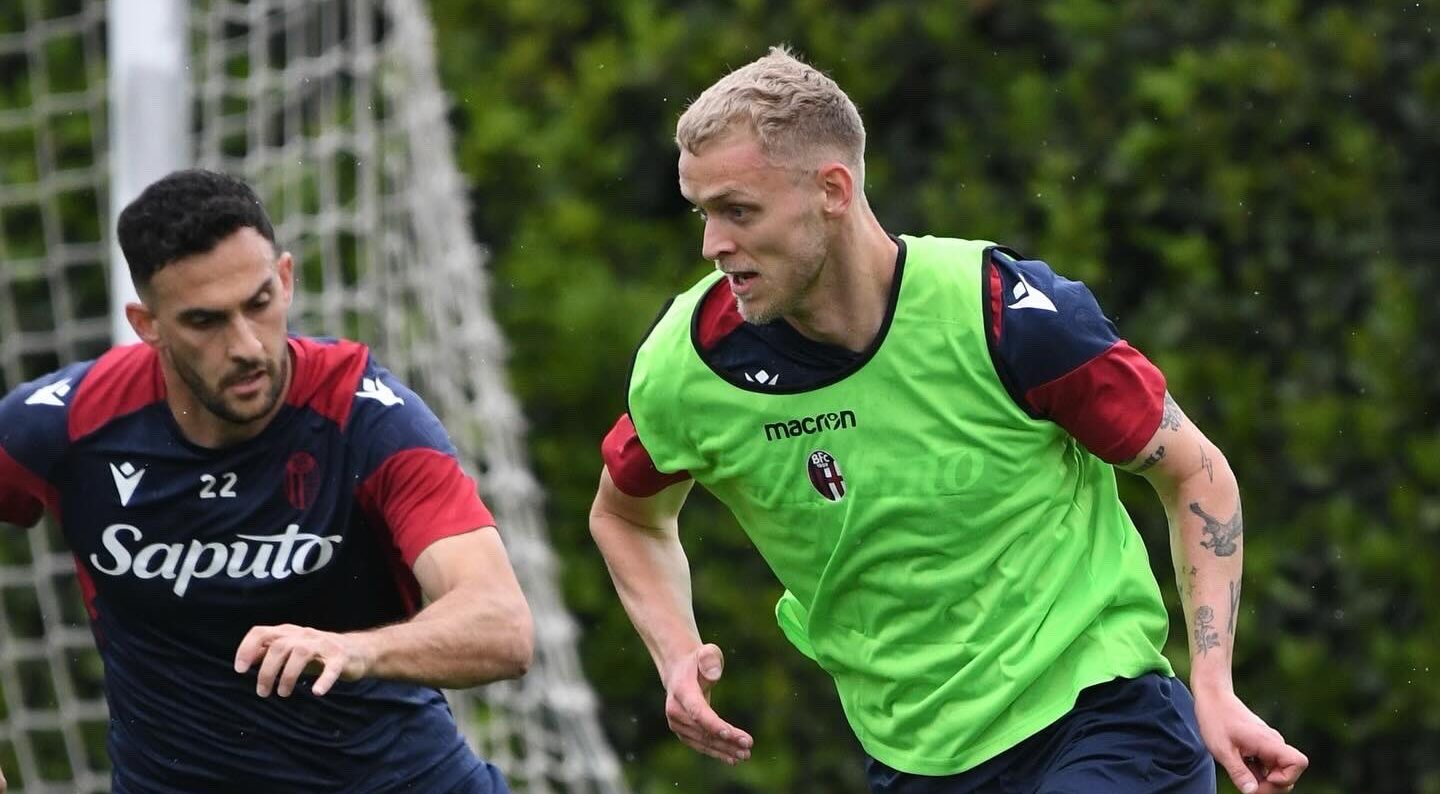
(247, 382)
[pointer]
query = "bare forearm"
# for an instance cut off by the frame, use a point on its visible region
(465, 638)
(652, 576)
(1206, 544)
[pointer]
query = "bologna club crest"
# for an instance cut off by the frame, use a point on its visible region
(302, 480)
(825, 475)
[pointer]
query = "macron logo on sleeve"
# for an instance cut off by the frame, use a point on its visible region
(1027, 297)
(376, 390)
(127, 479)
(50, 395)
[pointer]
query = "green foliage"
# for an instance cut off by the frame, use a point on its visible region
(1244, 186)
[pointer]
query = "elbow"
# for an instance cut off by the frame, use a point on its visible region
(522, 653)
(516, 650)
(508, 653)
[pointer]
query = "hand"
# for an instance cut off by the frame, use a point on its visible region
(687, 707)
(3, 784)
(285, 652)
(1254, 755)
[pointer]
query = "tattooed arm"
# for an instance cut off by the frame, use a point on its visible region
(1202, 500)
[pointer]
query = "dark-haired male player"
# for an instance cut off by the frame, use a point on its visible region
(257, 514)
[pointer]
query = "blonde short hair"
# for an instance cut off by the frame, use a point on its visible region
(794, 111)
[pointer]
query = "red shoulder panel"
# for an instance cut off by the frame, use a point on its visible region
(327, 376)
(422, 495)
(123, 381)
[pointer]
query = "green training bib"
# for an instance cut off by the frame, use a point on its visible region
(961, 569)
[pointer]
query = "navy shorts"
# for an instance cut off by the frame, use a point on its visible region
(1127, 736)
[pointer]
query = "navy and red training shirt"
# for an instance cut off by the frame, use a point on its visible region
(1057, 354)
(180, 550)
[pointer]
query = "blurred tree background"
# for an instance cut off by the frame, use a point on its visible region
(1249, 188)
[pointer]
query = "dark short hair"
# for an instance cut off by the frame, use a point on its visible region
(186, 213)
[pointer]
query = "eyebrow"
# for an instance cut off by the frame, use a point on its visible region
(201, 313)
(732, 195)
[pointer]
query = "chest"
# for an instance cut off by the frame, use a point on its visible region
(167, 523)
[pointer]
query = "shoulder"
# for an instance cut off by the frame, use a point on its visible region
(946, 258)
(328, 373)
(41, 419)
(387, 417)
(1040, 323)
(77, 400)
(342, 381)
(34, 419)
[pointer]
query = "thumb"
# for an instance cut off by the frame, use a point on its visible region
(711, 663)
(1240, 773)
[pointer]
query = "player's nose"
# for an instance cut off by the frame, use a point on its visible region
(245, 341)
(717, 243)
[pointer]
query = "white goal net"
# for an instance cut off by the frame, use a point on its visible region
(332, 109)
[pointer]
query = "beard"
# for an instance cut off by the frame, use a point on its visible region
(799, 278)
(214, 398)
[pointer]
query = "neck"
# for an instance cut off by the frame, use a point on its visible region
(847, 303)
(201, 427)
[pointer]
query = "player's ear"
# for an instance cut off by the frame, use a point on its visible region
(285, 269)
(837, 182)
(142, 320)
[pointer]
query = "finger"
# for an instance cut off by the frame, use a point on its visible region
(1286, 775)
(252, 647)
(328, 676)
(700, 714)
(295, 664)
(711, 662)
(711, 746)
(276, 653)
(681, 718)
(728, 745)
(701, 747)
(1292, 762)
(1239, 773)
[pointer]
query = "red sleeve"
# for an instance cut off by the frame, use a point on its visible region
(22, 494)
(422, 495)
(630, 465)
(1111, 403)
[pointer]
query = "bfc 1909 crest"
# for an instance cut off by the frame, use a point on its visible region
(825, 475)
